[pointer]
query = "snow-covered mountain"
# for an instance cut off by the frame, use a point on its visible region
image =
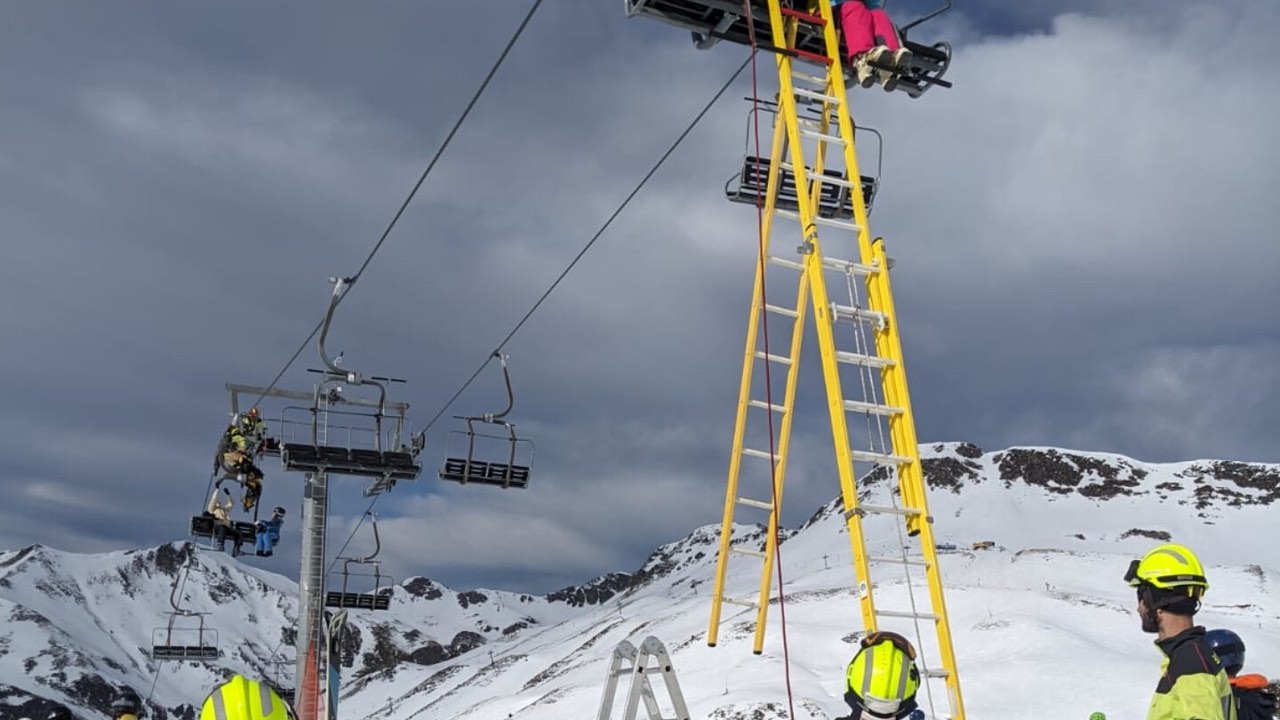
(1043, 626)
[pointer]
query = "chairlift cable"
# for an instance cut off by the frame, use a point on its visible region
(484, 84)
(607, 223)
(768, 374)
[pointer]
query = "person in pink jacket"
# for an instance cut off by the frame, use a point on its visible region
(869, 37)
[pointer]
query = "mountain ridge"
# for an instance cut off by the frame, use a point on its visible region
(71, 642)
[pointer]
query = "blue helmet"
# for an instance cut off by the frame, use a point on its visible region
(1229, 648)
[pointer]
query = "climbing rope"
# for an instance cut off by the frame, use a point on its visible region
(768, 374)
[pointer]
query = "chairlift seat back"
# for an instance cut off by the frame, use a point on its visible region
(362, 462)
(357, 601)
(833, 200)
(241, 531)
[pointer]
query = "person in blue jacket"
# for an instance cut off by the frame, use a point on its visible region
(269, 533)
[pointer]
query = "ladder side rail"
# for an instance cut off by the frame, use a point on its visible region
(780, 471)
(624, 651)
(669, 677)
(826, 339)
(744, 391)
(911, 477)
(635, 689)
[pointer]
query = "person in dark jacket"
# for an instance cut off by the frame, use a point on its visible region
(1254, 699)
(1193, 684)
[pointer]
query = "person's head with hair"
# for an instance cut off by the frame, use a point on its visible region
(882, 678)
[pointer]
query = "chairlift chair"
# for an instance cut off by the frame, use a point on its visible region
(835, 193)
(509, 470)
(379, 598)
(175, 642)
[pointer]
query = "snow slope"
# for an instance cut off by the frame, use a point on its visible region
(1042, 623)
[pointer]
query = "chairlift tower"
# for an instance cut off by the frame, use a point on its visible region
(810, 188)
(345, 426)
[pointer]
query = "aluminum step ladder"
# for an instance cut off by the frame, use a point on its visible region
(651, 658)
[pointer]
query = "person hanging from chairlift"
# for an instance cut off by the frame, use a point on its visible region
(244, 438)
(871, 43)
(269, 533)
(221, 512)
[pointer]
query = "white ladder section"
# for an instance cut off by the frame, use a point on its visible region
(651, 658)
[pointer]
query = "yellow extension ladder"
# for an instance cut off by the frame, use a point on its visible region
(871, 365)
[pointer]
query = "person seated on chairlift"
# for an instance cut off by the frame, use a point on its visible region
(870, 37)
(221, 512)
(269, 533)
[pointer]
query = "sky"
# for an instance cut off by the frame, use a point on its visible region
(1082, 229)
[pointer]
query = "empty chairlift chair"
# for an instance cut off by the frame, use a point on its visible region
(506, 469)
(379, 597)
(179, 639)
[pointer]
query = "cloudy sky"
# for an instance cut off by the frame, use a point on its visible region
(1084, 231)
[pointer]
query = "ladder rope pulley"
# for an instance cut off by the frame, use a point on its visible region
(513, 469)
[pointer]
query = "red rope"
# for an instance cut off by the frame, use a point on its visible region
(768, 376)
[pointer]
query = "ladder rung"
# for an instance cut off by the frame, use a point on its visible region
(848, 266)
(899, 561)
(853, 313)
(773, 358)
(937, 673)
(871, 408)
(736, 601)
(828, 180)
(756, 504)
(781, 310)
(882, 509)
(823, 136)
(906, 614)
(759, 453)
(864, 360)
(881, 459)
(752, 553)
(775, 407)
(806, 77)
(784, 262)
(803, 16)
(815, 95)
(820, 220)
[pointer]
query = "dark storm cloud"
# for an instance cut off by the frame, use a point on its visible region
(1080, 227)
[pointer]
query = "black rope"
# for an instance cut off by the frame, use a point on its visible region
(622, 206)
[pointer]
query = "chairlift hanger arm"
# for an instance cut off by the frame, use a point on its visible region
(511, 398)
(945, 7)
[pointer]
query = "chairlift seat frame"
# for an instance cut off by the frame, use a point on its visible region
(241, 531)
(504, 474)
(834, 201)
(304, 457)
(711, 21)
(205, 647)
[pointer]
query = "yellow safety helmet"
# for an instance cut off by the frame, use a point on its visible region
(1167, 567)
(243, 699)
(883, 677)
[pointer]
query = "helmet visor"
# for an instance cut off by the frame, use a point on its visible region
(1131, 576)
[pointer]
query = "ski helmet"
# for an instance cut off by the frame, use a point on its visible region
(127, 703)
(1229, 648)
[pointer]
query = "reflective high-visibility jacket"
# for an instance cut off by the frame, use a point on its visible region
(1193, 685)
